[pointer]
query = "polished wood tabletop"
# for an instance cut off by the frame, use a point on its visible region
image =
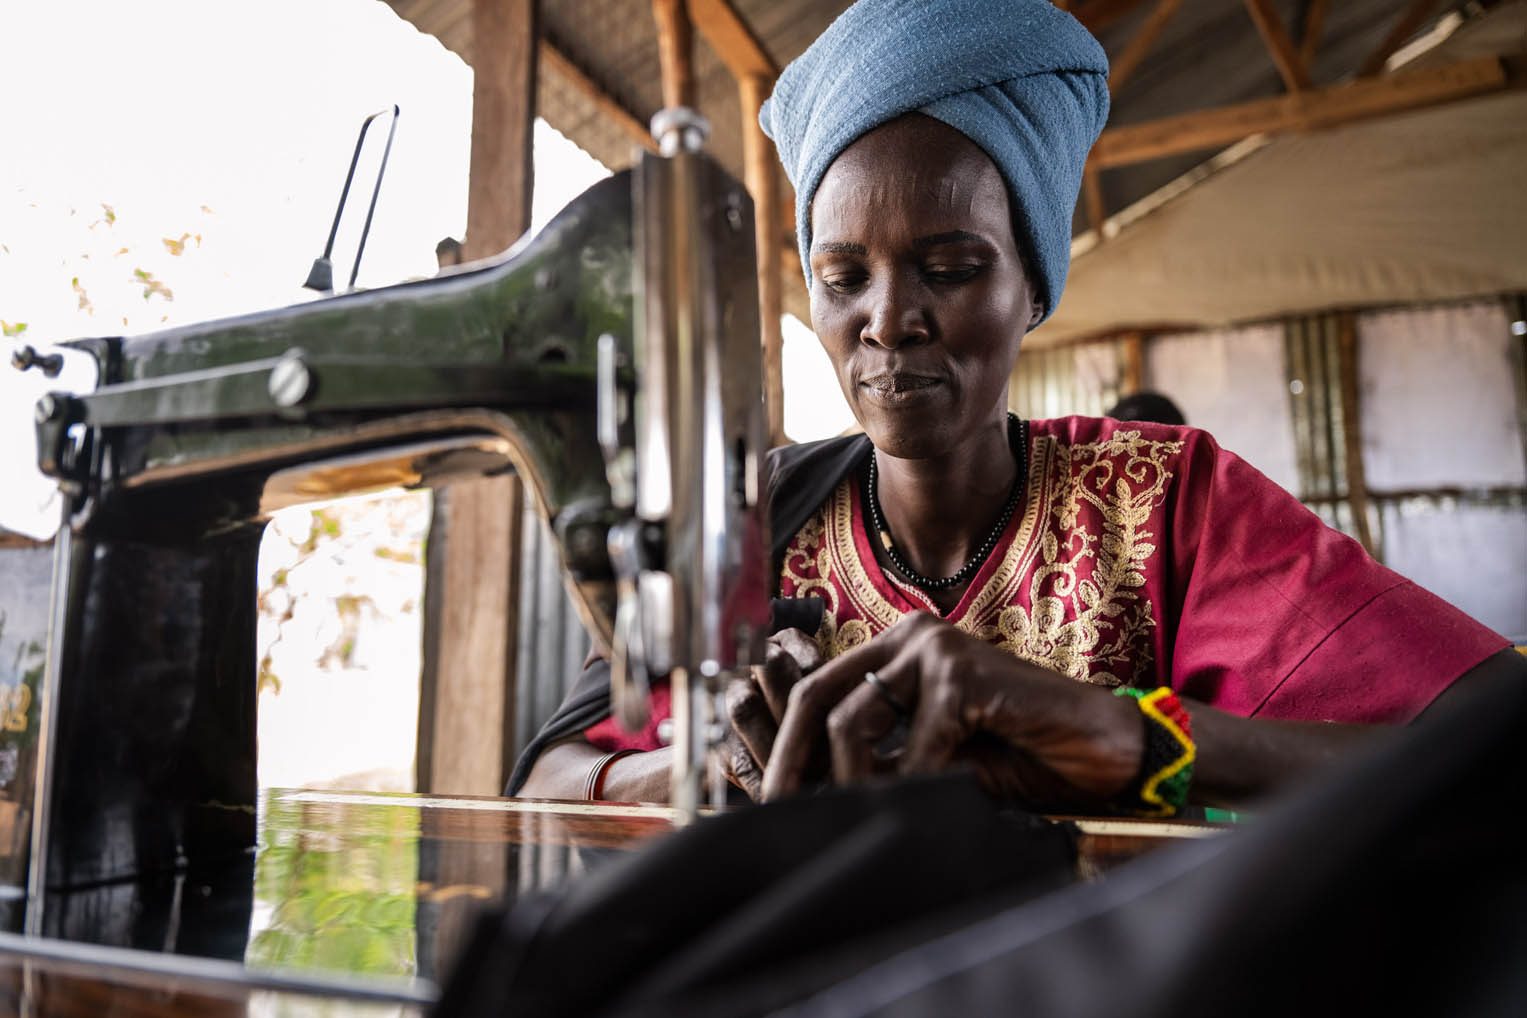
(352, 904)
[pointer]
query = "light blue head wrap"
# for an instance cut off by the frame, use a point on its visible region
(1020, 78)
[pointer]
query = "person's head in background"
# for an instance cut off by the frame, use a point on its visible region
(1146, 406)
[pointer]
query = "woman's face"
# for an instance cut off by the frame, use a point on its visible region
(920, 296)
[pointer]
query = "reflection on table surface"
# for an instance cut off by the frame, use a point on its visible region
(348, 896)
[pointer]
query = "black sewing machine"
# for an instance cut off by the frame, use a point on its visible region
(612, 361)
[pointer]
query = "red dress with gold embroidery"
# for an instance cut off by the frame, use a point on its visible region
(1147, 555)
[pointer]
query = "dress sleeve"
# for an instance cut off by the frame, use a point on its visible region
(609, 735)
(1280, 616)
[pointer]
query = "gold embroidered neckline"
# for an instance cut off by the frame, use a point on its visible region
(871, 588)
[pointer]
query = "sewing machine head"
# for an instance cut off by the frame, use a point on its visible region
(612, 361)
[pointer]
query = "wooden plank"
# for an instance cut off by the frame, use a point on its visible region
(1409, 22)
(675, 45)
(761, 175)
(611, 108)
(1352, 430)
(1296, 77)
(1346, 103)
(1309, 36)
(1135, 51)
(734, 42)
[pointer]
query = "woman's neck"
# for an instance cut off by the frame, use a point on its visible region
(940, 510)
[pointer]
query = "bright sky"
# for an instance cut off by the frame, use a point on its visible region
(179, 160)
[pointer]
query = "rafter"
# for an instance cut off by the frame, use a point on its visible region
(1124, 67)
(1409, 22)
(1295, 75)
(734, 42)
(1309, 33)
(1362, 99)
(559, 62)
(1097, 15)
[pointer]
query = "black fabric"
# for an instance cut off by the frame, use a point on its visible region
(800, 479)
(1393, 885)
(802, 887)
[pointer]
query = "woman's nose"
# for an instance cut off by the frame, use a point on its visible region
(894, 318)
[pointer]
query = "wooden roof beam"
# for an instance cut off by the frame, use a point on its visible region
(1309, 33)
(1296, 76)
(1409, 22)
(734, 42)
(1097, 15)
(560, 63)
(1362, 99)
(1140, 45)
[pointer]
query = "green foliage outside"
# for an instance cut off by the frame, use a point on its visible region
(336, 887)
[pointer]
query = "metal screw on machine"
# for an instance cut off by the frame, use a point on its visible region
(291, 380)
(47, 409)
(27, 358)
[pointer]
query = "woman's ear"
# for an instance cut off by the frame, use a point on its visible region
(1036, 311)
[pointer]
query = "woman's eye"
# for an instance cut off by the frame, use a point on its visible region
(843, 282)
(951, 273)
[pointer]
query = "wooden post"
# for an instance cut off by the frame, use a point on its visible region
(744, 56)
(1352, 429)
(471, 600)
(761, 176)
(471, 583)
(675, 47)
(1132, 353)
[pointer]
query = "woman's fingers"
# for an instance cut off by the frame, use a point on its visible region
(752, 722)
(799, 645)
(790, 654)
(939, 726)
(865, 730)
(813, 698)
(742, 770)
(777, 676)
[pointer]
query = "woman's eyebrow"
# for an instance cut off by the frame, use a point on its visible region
(839, 247)
(952, 237)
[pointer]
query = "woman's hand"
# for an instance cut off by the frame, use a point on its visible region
(1028, 732)
(756, 704)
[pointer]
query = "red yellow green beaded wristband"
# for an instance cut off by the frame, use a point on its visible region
(1166, 767)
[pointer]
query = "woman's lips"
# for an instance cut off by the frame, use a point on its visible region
(898, 387)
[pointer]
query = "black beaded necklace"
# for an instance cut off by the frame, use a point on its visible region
(1017, 431)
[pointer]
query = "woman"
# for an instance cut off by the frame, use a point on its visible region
(979, 590)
